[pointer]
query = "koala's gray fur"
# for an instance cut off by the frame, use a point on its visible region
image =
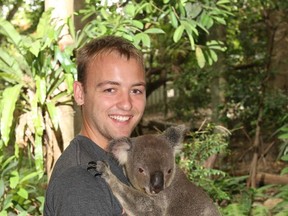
(159, 186)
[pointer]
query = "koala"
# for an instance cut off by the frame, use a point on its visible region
(159, 186)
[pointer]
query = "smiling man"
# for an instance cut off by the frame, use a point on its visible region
(111, 92)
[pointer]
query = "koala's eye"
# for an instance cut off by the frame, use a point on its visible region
(169, 171)
(140, 170)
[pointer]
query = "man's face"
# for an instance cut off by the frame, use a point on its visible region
(114, 98)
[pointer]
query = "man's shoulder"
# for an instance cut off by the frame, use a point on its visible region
(80, 151)
(76, 187)
(74, 178)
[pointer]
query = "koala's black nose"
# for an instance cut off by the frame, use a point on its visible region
(156, 182)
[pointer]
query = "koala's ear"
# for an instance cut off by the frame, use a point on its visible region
(175, 135)
(119, 149)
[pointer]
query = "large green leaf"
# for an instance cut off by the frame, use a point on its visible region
(11, 66)
(129, 10)
(69, 80)
(41, 90)
(7, 29)
(200, 57)
(193, 10)
(64, 57)
(173, 19)
(190, 27)
(137, 24)
(44, 24)
(8, 102)
(178, 33)
(154, 31)
(23, 193)
(35, 47)
(144, 38)
(39, 155)
(9, 76)
(2, 187)
(5, 58)
(14, 179)
(29, 177)
(192, 42)
(52, 110)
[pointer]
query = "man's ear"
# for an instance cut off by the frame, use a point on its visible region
(78, 93)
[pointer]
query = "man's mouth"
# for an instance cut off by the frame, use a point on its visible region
(120, 118)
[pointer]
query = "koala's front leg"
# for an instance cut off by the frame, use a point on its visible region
(104, 169)
(133, 201)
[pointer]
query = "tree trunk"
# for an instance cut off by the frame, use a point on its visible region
(217, 84)
(267, 178)
(55, 145)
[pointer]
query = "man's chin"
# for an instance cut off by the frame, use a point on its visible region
(120, 134)
(121, 131)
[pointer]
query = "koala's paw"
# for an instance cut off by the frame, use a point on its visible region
(103, 168)
(91, 167)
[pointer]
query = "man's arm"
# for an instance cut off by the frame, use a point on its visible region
(77, 192)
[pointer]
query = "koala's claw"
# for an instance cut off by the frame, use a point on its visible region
(101, 166)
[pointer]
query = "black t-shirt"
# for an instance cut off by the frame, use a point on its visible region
(73, 190)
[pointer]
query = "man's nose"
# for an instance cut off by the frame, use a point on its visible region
(125, 101)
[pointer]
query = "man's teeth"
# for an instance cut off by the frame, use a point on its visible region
(120, 118)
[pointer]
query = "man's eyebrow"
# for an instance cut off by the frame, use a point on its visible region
(140, 84)
(108, 82)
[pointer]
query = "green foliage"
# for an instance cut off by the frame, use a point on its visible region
(31, 77)
(207, 141)
(192, 92)
(21, 190)
(242, 207)
(141, 21)
(23, 14)
(246, 201)
(243, 102)
(36, 77)
(239, 199)
(174, 37)
(249, 59)
(283, 137)
(282, 207)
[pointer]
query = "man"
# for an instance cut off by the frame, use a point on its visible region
(111, 92)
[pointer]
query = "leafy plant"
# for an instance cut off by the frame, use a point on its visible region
(282, 207)
(193, 92)
(21, 190)
(245, 201)
(36, 78)
(207, 141)
(139, 21)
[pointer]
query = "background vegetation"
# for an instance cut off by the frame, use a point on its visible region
(225, 61)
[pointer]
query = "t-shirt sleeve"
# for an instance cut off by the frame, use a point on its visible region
(77, 192)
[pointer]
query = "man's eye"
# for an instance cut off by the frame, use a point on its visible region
(136, 91)
(109, 90)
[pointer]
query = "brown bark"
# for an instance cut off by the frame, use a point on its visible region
(55, 145)
(53, 150)
(253, 168)
(209, 163)
(66, 114)
(266, 178)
